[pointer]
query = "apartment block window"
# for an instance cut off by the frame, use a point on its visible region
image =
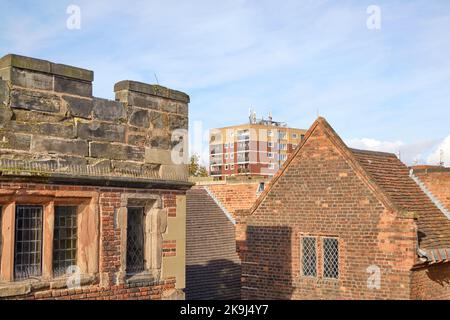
(282, 157)
(309, 257)
(282, 135)
(270, 144)
(28, 242)
(283, 146)
(64, 239)
(231, 155)
(135, 240)
(330, 258)
(232, 167)
(226, 167)
(226, 155)
(294, 136)
(270, 155)
(270, 133)
(294, 146)
(226, 145)
(271, 166)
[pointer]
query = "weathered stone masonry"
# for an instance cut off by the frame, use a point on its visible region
(60, 146)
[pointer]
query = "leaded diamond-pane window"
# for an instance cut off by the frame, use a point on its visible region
(28, 242)
(135, 240)
(309, 256)
(64, 239)
(330, 258)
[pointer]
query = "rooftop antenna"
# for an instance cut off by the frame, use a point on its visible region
(441, 157)
(270, 117)
(156, 78)
(399, 155)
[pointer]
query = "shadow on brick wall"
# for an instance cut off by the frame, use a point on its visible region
(217, 280)
(266, 269)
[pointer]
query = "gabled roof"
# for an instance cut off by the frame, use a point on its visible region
(389, 180)
(394, 178)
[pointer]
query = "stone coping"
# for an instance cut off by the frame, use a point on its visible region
(44, 66)
(151, 89)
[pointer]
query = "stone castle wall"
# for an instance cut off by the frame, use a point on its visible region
(49, 117)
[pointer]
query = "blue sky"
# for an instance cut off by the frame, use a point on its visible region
(386, 89)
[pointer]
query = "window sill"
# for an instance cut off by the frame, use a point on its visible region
(144, 276)
(24, 287)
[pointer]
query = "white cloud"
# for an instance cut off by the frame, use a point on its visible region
(418, 152)
(441, 153)
(375, 145)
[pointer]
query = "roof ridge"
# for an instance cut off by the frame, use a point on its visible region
(373, 152)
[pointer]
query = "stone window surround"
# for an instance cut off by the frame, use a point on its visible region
(320, 257)
(88, 223)
(155, 225)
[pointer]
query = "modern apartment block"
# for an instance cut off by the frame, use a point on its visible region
(258, 148)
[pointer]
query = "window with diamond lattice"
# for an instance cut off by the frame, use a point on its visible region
(330, 258)
(28, 242)
(135, 240)
(309, 256)
(64, 239)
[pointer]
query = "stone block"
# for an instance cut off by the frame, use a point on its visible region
(101, 131)
(178, 122)
(71, 86)
(72, 72)
(61, 146)
(27, 63)
(140, 118)
(62, 130)
(31, 79)
(137, 139)
(177, 172)
(115, 151)
(15, 141)
(109, 110)
(160, 142)
(159, 120)
(142, 101)
(4, 93)
(151, 89)
(5, 115)
(36, 116)
(170, 107)
(183, 109)
(79, 107)
(14, 60)
(32, 100)
(158, 156)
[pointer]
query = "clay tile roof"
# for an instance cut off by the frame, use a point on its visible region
(392, 176)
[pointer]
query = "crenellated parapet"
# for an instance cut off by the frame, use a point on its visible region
(50, 121)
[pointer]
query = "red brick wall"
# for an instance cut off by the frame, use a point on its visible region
(432, 282)
(235, 196)
(321, 195)
(438, 182)
(110, 248)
